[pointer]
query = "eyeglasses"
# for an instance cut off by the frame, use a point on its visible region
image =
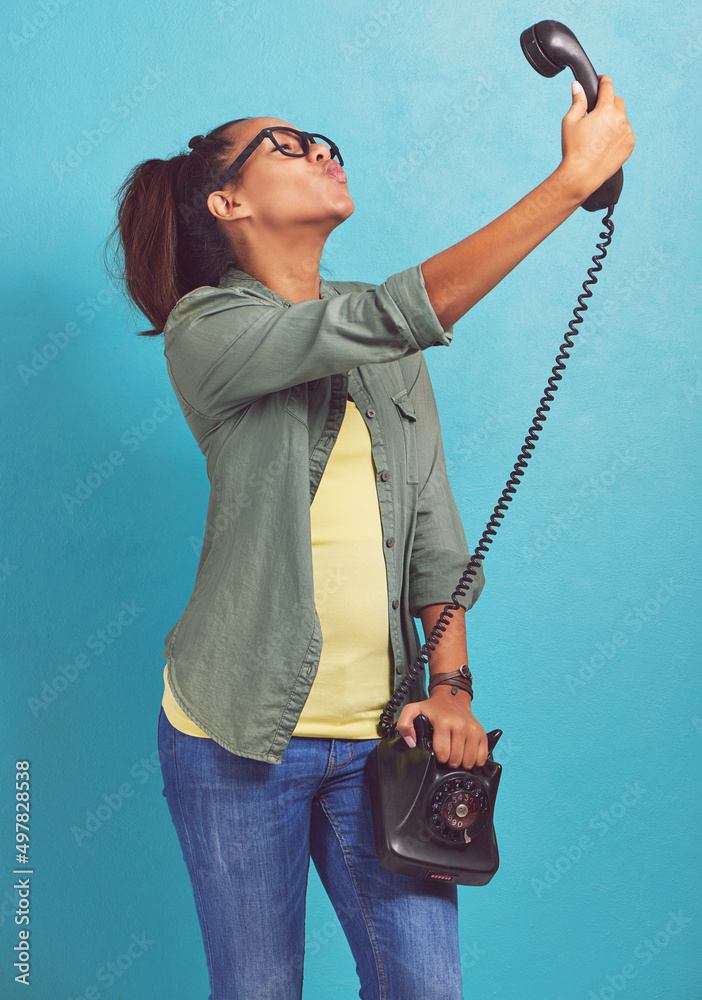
(290, 142)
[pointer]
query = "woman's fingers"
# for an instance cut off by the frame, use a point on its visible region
(594, 146)
(404, 724)
(476, 759)
(441, 743)
(462, 749)
(605, 93)
(457, 741)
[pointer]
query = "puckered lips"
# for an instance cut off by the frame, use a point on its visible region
(333, 168)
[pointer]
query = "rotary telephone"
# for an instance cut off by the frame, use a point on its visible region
(430, 820)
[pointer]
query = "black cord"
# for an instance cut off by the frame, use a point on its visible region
(388, 715)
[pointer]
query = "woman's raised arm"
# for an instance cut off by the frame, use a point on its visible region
(594, 146)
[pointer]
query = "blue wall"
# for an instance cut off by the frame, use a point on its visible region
(583, 645)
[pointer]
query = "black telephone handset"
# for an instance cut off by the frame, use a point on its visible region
(430, 820)
(550, 47)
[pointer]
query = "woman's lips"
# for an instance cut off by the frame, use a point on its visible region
(335, 171)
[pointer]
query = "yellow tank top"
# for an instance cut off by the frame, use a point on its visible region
(354, 677)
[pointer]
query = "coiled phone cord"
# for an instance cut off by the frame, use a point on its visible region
(388, 715)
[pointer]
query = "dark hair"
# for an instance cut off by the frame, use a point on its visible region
(171, 242)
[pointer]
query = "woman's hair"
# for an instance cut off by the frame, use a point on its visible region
(170, 241)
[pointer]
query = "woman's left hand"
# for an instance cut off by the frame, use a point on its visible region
(458, 739)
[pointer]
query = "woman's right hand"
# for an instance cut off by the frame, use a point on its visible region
(595, 145)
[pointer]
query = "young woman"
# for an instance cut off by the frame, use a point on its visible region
(330, 517)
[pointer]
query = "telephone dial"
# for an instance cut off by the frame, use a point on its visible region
(430, 820)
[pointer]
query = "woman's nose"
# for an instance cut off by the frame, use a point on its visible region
(318, 149)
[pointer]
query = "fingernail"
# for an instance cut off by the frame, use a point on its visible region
(575, 87)
(409, 741)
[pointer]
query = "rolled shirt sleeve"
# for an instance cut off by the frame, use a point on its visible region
(440, 553)
(224, 348)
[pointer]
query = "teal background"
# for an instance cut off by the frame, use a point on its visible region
(584, 644)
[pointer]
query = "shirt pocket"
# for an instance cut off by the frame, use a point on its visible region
(408, 419)
(296, 404)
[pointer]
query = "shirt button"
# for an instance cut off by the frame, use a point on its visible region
(398, 668)
(370, 413)
(396, 604)
(385, 475)
(390, 542)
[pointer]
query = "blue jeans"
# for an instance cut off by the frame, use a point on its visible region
(247, 830)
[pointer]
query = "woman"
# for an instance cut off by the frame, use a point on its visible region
(330, 514)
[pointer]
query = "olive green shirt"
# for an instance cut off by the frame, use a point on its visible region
(263, 383)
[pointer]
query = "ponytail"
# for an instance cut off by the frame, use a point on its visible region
(171, 242)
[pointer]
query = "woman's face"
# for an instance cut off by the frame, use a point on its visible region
(277, 191)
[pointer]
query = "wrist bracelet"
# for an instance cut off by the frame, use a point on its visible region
(461, 678)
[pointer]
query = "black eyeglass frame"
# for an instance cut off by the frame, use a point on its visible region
(267, 133)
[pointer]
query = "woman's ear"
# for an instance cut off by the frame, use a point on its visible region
(224, 206)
